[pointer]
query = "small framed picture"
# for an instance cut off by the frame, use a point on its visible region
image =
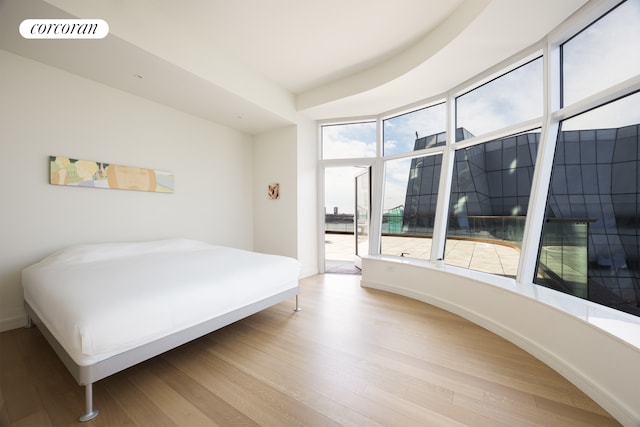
(273, 191)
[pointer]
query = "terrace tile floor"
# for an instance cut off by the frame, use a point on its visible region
(474, 255)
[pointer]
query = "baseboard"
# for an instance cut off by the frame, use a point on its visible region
(13, 322)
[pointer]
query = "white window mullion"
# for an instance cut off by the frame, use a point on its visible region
(377, 190)
(321, 219)
(444, 186)
(544, 164)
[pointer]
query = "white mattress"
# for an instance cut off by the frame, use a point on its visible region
(100, 300)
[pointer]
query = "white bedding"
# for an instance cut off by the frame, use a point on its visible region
(100, 300)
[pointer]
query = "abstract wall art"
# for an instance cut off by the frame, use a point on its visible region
(89, 173)
(273, 191)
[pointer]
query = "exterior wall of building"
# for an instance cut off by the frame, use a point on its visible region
(592, 210)
(595, 177)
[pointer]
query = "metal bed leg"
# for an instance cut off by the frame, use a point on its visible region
(88, 397)
(297, 304)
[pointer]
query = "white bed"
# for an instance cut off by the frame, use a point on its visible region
(106, 307)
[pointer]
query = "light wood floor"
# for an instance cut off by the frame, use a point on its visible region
(352, 357)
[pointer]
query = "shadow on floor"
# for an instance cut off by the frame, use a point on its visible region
(340, 267)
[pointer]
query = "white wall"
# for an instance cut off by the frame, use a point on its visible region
(602, 365)
(287, 226)
(45, 111)
(275, 221)
(307, 163)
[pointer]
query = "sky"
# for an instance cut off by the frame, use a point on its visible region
(602, 55)
(510, 99)
(349, 140)
(400, 132)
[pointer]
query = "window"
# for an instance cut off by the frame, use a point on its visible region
(510, 99)
(488, 205)
(352, 140)
(424, 128)
(591, 238)
(590, 241)
(602, 55)
(409, 206)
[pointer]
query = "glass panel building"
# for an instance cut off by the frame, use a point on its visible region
(591, 234)
(591, 239)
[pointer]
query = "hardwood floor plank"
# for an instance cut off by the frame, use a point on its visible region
(422, 415)
(139, 408)
(38, 419)
(22, 399)
(192, 390)
(311, 367)
(575, 415)
(351, 357)
(266, 405)
(20, 395)
(4, 415)
(524, 416)
(167, 400)
(319, 387)
(443, 387)
(438, 391)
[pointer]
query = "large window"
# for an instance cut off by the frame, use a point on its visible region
(591, 240)
(507, 100)
(591, 237)
(604, 54)
(488, 205)
(475, 146)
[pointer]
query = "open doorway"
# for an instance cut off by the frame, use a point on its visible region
(346, 218)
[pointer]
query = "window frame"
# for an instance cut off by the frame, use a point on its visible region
(553, 113)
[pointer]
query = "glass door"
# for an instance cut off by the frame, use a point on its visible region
(362, 215)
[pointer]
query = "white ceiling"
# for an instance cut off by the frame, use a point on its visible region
(255, 65)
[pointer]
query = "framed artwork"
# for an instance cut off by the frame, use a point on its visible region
(273, 191)
(89, 173)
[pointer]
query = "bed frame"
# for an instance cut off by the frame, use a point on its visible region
(87, 375)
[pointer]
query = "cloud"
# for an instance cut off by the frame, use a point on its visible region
(604, 54)
(400, 131)
(512, 98)
(623, 112)
(351, 140)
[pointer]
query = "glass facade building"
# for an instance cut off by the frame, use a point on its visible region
(591, 236)
(593, 218)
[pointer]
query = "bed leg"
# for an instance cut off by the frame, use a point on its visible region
(88, 397)
(297, 304)
(29, 322)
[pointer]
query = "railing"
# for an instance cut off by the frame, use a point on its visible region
(563, 256)
(496, 228)
(501, 229)
(493, 228)
(338, 223)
